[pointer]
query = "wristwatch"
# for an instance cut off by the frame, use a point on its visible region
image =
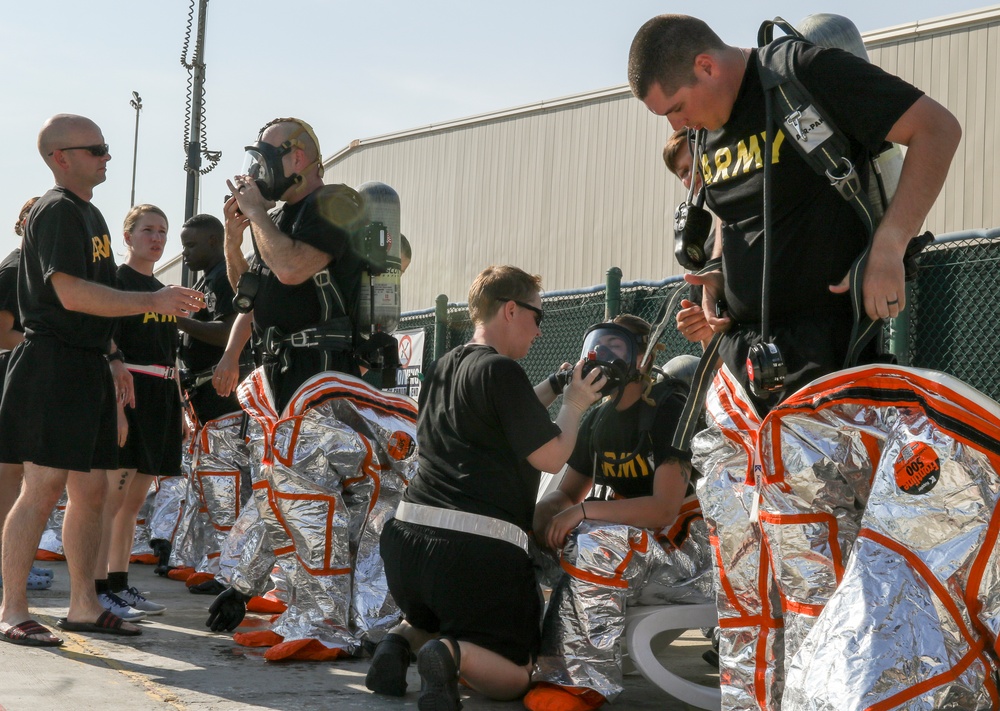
(116, 355)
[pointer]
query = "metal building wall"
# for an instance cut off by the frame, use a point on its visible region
(955, 60)
(571, 187)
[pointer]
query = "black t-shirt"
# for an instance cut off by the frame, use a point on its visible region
(616, 438)
(292, 308)
(150, 338)
(479, 420)
(68, 235)
(8, 286)
(198, 355)
(817, 235)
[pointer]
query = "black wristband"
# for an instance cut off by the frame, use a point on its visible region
(556, 384)
(116, 355)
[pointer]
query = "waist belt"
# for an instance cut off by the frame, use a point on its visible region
(335, 335)
(462, 521)
(160, 371)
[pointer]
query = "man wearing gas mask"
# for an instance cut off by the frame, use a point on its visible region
(645, 544)
(321, 461)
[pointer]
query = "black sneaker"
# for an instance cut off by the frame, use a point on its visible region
(439, 676)
(387, 673)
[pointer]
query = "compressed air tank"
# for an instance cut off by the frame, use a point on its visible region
(828, 30)
(380, 283)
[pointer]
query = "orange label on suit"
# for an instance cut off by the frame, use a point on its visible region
(917, 468)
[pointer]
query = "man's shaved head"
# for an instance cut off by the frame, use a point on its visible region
(65, 130)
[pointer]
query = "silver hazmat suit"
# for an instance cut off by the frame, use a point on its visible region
(877, 503)
(327, 474)
(606, 567)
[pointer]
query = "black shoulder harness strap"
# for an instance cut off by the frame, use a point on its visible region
(809, 128)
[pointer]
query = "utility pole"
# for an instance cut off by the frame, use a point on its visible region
(136, 103)
(195, 119)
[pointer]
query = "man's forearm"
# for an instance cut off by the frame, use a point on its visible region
(99, 300)
(291, 261)
(236, 264)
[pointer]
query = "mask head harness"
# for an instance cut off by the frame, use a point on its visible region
(264, 161)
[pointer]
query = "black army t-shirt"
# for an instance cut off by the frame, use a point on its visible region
(479, 420)
(817, 234)
(68, 235)
(294, 307)
(8, 286)
(149, 338)
(198, 355)
(614, 435)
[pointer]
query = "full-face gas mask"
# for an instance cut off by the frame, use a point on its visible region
(263, 161)
(614, 350)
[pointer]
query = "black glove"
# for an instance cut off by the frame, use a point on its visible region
(162, 549)
(227, 610)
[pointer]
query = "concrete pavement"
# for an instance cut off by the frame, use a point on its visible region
(178, 665)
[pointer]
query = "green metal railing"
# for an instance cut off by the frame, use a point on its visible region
(950, 323)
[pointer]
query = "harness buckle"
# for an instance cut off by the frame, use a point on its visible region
(793, 121)
(848, 184)
(300, 339)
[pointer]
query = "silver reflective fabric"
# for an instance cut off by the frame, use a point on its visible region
(218, 459)
(881, 498)
(193, 529)
(327, 472)
(51, 539)
(607, 567)
(167, 505)
(140, 542)
(750, 626)
(874, 493)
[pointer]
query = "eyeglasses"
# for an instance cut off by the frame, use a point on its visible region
(98, 150)
(539, 314)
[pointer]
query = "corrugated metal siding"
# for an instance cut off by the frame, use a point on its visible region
(570, 189)
(560, 192)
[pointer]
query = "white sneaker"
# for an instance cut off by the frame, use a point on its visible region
(138, 601)
(116, 606)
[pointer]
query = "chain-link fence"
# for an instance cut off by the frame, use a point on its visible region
(950, 322)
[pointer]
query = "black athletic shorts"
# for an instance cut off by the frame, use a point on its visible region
(473, 588)
(58, 408)
(209, 405)
(154, 428)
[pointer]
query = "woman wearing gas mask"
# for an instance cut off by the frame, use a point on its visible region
(647, 544)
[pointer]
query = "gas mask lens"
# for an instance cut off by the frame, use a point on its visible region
(255, 165)
(614, 350)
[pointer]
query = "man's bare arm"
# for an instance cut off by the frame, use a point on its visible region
(96, 299)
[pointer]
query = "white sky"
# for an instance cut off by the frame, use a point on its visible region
(351, 69)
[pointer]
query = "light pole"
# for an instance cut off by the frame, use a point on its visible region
(136, 103)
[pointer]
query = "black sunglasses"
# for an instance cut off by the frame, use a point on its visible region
(98, 150)
(539, 314)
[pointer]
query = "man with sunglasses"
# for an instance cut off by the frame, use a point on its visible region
(58, 415)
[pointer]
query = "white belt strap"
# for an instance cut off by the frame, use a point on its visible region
(462, 521)
(160, 371)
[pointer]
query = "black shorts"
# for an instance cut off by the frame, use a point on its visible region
(209, 405)
(812, 347)
(470, 587)
(58, 408)
(154, 428)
